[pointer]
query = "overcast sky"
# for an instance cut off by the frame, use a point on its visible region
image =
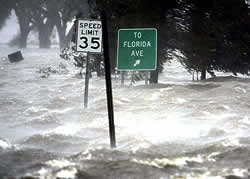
(10, 29)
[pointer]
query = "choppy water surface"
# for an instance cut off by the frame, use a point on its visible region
(176, 129)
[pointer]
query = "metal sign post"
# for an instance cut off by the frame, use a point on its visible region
(108, 81)
(146, 77)
(86, 93)
(89, 39)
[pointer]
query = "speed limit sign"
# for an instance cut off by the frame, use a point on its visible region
(89, 36)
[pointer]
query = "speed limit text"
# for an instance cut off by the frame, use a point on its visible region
(90, 28)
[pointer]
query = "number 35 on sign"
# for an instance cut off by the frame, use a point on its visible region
(89, 36)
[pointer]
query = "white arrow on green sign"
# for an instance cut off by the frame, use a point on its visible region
(137, 49)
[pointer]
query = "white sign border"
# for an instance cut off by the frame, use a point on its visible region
(77, 35)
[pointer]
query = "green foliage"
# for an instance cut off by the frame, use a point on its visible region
(211, 35)
(79, 60)
(217, 37)
(138, 14)
(233, 45)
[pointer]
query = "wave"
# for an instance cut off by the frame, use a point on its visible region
(212, 161)
(4, 144)
(19, 162)
(60, 144)
(228, 79)
(50, 139)
(202, 86)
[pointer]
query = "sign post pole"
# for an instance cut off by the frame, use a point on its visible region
(89, 40)
(146, 77)
(108, 80)
(122, 78)
(86, 93)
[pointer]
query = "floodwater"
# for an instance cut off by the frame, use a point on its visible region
(176, 129)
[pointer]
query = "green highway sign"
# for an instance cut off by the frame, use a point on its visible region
(137, 49)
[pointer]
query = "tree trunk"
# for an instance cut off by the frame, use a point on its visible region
(23, 38)
(98, 68)
(97, 64)
(45, 31)
(154, 76)
(62, 36)
(62, 41)
(24, 23)
(44, 41)
(203, 74)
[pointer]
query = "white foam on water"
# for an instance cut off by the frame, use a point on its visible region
(212, 156)
(231, 142)
(181, 100)
(60, 163)
(161, 163)
(240, 172)
(245, 120)
(4, 144)
(42, 172)
(155, 96)
(67, 130)
(65, 168)
(35, 109)
(61, 111)
(205, 175)
(148, 126)
(240, 90)
(67, 173)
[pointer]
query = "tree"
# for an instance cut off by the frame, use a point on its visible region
(41, 17)
(23, 11)
(197, 43)
(33, 14)
(206, 32)
(145, 13)
(232, 52)
(5, 11)
(64, 11)
(211, 41)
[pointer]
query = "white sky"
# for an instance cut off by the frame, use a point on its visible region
(10, 29)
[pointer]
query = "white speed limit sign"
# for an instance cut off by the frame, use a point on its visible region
(89, 36)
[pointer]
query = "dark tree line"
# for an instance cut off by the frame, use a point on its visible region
(43, 16)
(204, 35)
(217, 37)
(5, 12)
(140, 14)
